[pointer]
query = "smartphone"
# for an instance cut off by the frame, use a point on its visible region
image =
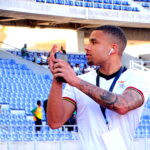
(64, 57)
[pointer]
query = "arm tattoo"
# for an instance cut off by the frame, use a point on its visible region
(99, 95)
(108, 96)
(129, 100)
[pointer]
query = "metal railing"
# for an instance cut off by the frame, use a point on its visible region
(136, 65)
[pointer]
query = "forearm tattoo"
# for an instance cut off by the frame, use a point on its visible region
(98, 94)
(129, 100)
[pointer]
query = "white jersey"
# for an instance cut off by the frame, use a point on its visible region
(90, 120)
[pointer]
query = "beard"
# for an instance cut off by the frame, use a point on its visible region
(90, 63)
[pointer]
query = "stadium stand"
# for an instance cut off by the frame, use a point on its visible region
(106, 4)
(143, 130)
(20, 88)
(72, 58)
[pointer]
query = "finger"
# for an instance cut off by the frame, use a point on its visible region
(54, 48)
(60, 61)
(59, 74)
(51, 63)
(52, 58)
(51, 66)
(58, 69)
(60, 65)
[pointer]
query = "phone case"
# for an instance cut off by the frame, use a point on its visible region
(64, 57)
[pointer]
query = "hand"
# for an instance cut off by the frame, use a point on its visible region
(51, 58)
(63, 69)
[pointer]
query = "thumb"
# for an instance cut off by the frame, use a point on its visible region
(54, 48)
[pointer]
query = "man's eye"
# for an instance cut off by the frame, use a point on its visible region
(93, 42)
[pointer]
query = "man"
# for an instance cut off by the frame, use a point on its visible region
(24, 51)
(77, 69)
(37, 112)
(109, 101)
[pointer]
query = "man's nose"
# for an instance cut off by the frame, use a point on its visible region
(87, 47)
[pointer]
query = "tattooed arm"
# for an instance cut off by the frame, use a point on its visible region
(129, 100)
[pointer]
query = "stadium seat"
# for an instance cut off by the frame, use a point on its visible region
(88, 0)
(50, 1)
(135, 9)
(125, 3)
(40, 1)
(118, 2)
(108, 1)
(117, 7)
(59, 2)
(127, 8)
(98, 1)
(78, 3)
(69, 2)
(147, 5)
(88, 4)
(107, 6)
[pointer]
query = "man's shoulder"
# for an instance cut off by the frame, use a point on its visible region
(131, 72)
(88, 75)
(137, 73)
(138, 76)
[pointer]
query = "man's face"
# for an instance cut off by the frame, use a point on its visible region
(98, 48)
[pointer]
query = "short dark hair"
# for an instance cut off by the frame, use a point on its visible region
(117, 33)
(39, 102)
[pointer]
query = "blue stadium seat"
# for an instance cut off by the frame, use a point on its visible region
(108, 1)
(40, 1)
(69, 2)
(50, 1)
(135, 9)
(125, 3)
(145, 117)
(127, 8)
(147, 5)
(88, 0)
(59, 2)
(98, 1)
(78, 3)
(118, 2)
(107, 6)
(71, 56)
(88, 4)
(117, 7)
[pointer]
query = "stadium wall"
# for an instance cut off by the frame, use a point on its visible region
(138, 144)
(38, 145)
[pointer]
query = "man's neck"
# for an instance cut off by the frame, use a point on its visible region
(110, 69)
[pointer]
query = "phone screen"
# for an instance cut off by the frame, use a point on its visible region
(62, 56)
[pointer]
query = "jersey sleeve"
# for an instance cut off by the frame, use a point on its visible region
(141, 84)
(69, 94)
